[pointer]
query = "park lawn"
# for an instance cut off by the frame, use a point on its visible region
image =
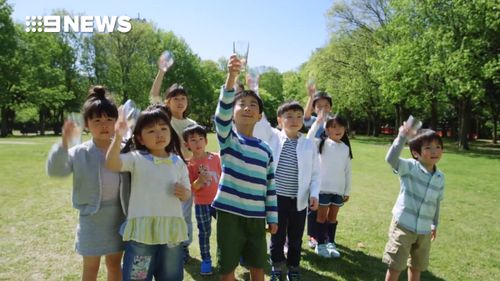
(37, 222)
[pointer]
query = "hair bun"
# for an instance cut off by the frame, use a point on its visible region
(97, 92)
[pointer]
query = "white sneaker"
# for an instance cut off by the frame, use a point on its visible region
(332, 250)
(322, 251)
(312, 243)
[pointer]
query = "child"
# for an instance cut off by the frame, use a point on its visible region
(98, 193)
(297, 187)
(335, 156)
(246, 197)
(317, 102)
(176, 100)
(416, 212)
(204, 173)
(155, 226)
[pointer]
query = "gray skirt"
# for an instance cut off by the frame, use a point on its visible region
(98, 234)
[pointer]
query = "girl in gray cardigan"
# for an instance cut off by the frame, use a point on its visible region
(98, 193)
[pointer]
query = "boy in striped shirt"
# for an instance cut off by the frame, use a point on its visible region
(416, 212)
(246, 198)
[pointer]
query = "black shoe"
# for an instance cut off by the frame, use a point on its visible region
(293, 276)
(276, 275)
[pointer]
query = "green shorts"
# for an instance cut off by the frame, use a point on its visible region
(406, 248)
(238, 237)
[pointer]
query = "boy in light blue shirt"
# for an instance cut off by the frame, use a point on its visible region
(416, 212)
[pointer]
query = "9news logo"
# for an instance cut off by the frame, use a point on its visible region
(84, 24)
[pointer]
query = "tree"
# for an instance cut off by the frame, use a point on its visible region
(8, 67)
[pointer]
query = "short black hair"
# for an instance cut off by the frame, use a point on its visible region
(322, 95)
(194, 129)
(424, 136)
(288, 106)
(249, 93)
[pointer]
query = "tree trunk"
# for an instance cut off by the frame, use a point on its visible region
(42, 116)
(495, 127)
(5, 125)
(434, 114)
(464, 124)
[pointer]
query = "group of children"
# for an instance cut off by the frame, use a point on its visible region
(137, 196)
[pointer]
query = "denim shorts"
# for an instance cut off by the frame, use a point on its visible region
(327, 199)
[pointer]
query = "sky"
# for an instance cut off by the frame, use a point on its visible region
(282, 33)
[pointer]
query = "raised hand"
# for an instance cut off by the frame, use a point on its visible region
(311, 89)
(121, 123)
(234, 68)
(69, 129)
(322, 115)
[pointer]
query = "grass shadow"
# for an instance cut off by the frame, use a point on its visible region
(353, 265)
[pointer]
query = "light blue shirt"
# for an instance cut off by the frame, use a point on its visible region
(421, 191)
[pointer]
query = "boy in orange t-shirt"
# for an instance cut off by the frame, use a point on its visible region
(204, 173)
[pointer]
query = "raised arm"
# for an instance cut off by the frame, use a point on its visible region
(154, 94)
(113, 161)
(316, 125)
(308, 110)
(397, 146)
(59, 162)
(224, 111)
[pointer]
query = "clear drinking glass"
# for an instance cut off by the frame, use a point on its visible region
(413, 124)
(131, 112)
(240, 48)
(76, 135)
(165, 61)
(253, 79)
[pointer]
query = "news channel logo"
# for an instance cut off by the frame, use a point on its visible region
(85, 24)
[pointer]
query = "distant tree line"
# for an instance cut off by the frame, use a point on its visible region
(435, 59)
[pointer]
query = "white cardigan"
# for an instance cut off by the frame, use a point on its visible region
(307, 158)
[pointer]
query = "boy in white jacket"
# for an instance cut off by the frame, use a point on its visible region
(297, 186)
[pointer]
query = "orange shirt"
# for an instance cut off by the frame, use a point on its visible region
(210, 163)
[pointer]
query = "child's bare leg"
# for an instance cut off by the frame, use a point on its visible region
(392, 275)
(413, 274)
(322, 214)
(227, 277)
(256, 274)
(90, 267)
(113, 265)
(332, 213)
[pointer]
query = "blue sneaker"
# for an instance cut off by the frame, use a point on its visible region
(206, 267)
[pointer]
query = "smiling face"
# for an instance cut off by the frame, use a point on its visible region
(335, 131)
(101, 127)
(246, 111)
(291, 121)
(430, 153)
(155, 137)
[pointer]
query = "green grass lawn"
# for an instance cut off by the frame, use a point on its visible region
(37, 222)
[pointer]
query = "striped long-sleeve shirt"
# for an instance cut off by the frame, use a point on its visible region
(246, 186)
(417, 206)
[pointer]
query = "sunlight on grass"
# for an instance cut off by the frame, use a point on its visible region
(37, 222)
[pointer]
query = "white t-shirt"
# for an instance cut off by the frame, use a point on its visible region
(179, 125)
(152, 187)
(335, 168)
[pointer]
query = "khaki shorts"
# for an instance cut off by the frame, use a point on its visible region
(240, 237)
(406, 248)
